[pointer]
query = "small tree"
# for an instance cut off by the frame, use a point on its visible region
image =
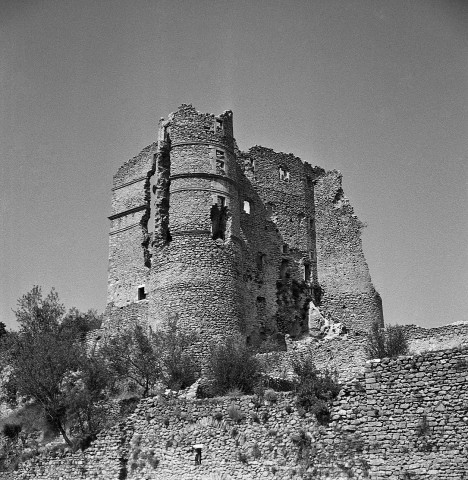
(179, 368)
(80, 322)
(36, 314)
(386, 342)
(40, 361)
(232, 365)
(134, 355)
(43, 356)
(314, 389)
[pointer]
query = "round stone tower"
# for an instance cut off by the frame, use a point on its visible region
(196, 257)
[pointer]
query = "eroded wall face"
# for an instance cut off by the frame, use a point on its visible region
(128, 238)
(348, 295)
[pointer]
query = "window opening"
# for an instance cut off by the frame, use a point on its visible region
(307, 272)
(218, 217)
(285, 248)
(141, 293)
(220, 167)
(247, 206)
(283, 174)
(260, 261)
(284, 269)
(218, 125)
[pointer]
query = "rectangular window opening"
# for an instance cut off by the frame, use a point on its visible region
(221, 201)
(247, 206)
(141, 293)
(220, 166)
(218, 125)
(307, 272)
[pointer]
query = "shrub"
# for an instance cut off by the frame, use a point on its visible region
(234, 393)
(314, 389)
(218, 416)
(271, 396)
(233, 365)
(256, 453)
(11, 430)
(386, 342)
(235, 414)
(254, 417)
(242, 457)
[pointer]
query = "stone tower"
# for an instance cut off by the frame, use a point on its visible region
(196, 256)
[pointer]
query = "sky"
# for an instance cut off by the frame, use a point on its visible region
(377, 89)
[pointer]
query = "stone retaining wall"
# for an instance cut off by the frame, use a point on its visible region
(404, 418)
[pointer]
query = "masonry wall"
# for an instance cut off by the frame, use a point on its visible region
(128, 232)
(346, 354)
(404, 418)
(348, 295)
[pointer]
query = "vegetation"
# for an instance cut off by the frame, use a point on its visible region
(386, 342)
(314, 389)
(133, 355)
(232, 365)
(51, 367)
(148, 358)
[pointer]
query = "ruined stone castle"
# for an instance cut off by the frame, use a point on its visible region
(265, 245)
(233, 242)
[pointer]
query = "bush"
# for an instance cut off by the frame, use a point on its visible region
(232, 365)
(11, 430)
(314, 389)
(271, 396)
(235, 414)
(386, 342)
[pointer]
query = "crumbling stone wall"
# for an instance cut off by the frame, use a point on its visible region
(348, 295)
(403, 418)
(128, 233)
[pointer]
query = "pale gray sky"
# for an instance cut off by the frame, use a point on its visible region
(376, 89)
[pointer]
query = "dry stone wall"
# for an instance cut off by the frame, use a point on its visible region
(403, 418)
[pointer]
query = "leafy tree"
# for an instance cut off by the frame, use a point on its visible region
(81, 323)
(134, 355)
(40, 361)
(3, 330)
(86, 391)
(44, 354)
(36, 314)
(179, 368)
(147, 358)
(386, 342)
(232, 365)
